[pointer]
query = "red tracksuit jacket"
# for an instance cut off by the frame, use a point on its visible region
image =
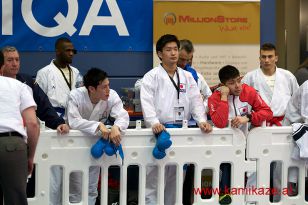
(249, 101)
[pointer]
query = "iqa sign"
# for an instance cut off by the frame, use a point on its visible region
(92, 25)
(65, 23)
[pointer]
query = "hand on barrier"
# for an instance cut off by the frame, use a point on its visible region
(163, 142)
(102, 145)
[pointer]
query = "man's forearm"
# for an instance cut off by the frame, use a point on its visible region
(33, 132)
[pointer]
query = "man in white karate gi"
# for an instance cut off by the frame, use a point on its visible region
(169, 95)
(57, 80)
(88, 109)
(276, 86)
(297, 109)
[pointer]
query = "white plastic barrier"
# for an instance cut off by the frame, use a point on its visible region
(190, 145)
(205, 151)
(266, 145)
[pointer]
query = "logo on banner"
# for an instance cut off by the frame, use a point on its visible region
(169, 18)
(65, 23)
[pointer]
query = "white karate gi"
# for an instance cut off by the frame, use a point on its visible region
(51, 81)
(83, 116)
(204, 90)
(158, 99)
(297, 109)
(159, 96)
(285, 86)
(202, 85)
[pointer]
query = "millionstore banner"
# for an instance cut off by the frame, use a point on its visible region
(223, 32)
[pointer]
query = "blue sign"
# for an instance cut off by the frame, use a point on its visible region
(97, 25)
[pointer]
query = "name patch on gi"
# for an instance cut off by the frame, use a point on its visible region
(183, 87)
(243, 110)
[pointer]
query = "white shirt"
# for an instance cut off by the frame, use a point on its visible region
(270, 80)
(159, 97)
(52, 82)
(15, 98)
(84, 116)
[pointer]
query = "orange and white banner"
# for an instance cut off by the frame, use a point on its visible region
(223, 32)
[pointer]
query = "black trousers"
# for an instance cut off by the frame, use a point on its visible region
(13, 170)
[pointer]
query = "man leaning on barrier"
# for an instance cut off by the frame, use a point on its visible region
(19, 132)
(168, 96)
(89, 107)
(239, 102)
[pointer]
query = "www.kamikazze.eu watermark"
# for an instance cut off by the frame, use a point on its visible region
(242, 191)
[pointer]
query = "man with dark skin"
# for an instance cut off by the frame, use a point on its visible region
(57, 80)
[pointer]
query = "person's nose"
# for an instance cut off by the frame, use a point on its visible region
(107, 89)
(174, 52)
(15, 63)
(238, 84)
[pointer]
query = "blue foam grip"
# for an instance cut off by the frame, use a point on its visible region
(110, 149)
(102, 145)
(163, 141)
(97, 150)
(158, 154)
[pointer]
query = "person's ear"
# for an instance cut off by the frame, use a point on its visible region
(91, 89)
(159, 54)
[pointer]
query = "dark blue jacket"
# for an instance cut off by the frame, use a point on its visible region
(45, 111)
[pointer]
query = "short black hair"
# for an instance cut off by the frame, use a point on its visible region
(1, 59)
(268, 47)
(187, 45)
(163, 40)
(93, 77)
(228, 72)
(61, 40)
